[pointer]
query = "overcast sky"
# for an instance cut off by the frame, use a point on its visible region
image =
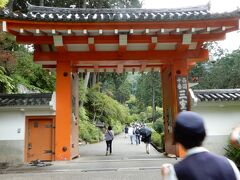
(232, 41)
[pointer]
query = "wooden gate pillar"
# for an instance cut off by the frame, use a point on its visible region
(63, 110)
(75, 104)
(175, 100)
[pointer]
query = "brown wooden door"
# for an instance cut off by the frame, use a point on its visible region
(39, 139)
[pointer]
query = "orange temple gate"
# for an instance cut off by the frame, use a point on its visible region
(117, 40)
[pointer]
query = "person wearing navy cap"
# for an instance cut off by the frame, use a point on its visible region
(199, 163)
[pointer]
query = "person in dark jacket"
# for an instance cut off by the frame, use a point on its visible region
(137, 135)
(199, 163)
(146, 134)
(126, 131)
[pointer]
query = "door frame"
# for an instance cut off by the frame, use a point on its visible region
(27, 119)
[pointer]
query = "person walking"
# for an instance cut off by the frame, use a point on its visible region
(137, 135)
(126, 131)
(146, 134)
(109, 136)
(130, 133)
(199, 163)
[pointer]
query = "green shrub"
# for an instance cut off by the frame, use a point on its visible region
(104, 108)
(89, 133)
(117, 128)
(156, 139)
(158, 126)
(233, 153)
(83, 114)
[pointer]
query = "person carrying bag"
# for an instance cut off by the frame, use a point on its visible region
(109, 136)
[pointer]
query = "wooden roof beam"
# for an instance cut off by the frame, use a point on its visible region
(164, 56)
(120, 68)
(71, 32)
(220, 29)
(115, 39)
(143, 67)
(123, 41)
(228, 22)
(4, 26)
(205, 30)
(182, 47)
(91, 44)
(153, 44)
(58, 43)
(40, 32)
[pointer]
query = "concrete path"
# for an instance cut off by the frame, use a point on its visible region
(126, 162)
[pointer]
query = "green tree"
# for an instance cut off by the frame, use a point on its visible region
(147, 83)
(3, 3)
(224, 73)
(32, 75)
(117, 84)
(6, 83)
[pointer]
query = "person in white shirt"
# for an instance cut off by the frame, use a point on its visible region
(199, 163)
(130, 133)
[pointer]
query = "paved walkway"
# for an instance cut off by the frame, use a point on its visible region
(121, 148)
(127, 162)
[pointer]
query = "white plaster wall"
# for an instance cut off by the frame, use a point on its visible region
(12, 125)
(219, 120)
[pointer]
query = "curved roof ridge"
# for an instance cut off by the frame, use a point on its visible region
(27, 95)
(45, 9)
(216, 90)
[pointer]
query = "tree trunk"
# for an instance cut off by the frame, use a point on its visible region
(86, 80)
(94, 79)
(85, 84)
(153, 98)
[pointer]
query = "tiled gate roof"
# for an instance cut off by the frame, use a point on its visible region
(41, 13)
(7, 100)
(217, 94)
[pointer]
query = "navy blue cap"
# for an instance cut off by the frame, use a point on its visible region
(190, 122)
(189, 129)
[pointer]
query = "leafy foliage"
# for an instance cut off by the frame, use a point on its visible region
(3, 3)
(223, 74)
(103, 108)
(117, 85)
(6, 83)
(19, 68)
(32, 75)
(100, 107)
(88, 132)
(144, 90)
(156, 139)
(158, 126)
(83, 114)
(233, 153)
(82, 91)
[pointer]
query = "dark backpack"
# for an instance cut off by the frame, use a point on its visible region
(137, 132)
